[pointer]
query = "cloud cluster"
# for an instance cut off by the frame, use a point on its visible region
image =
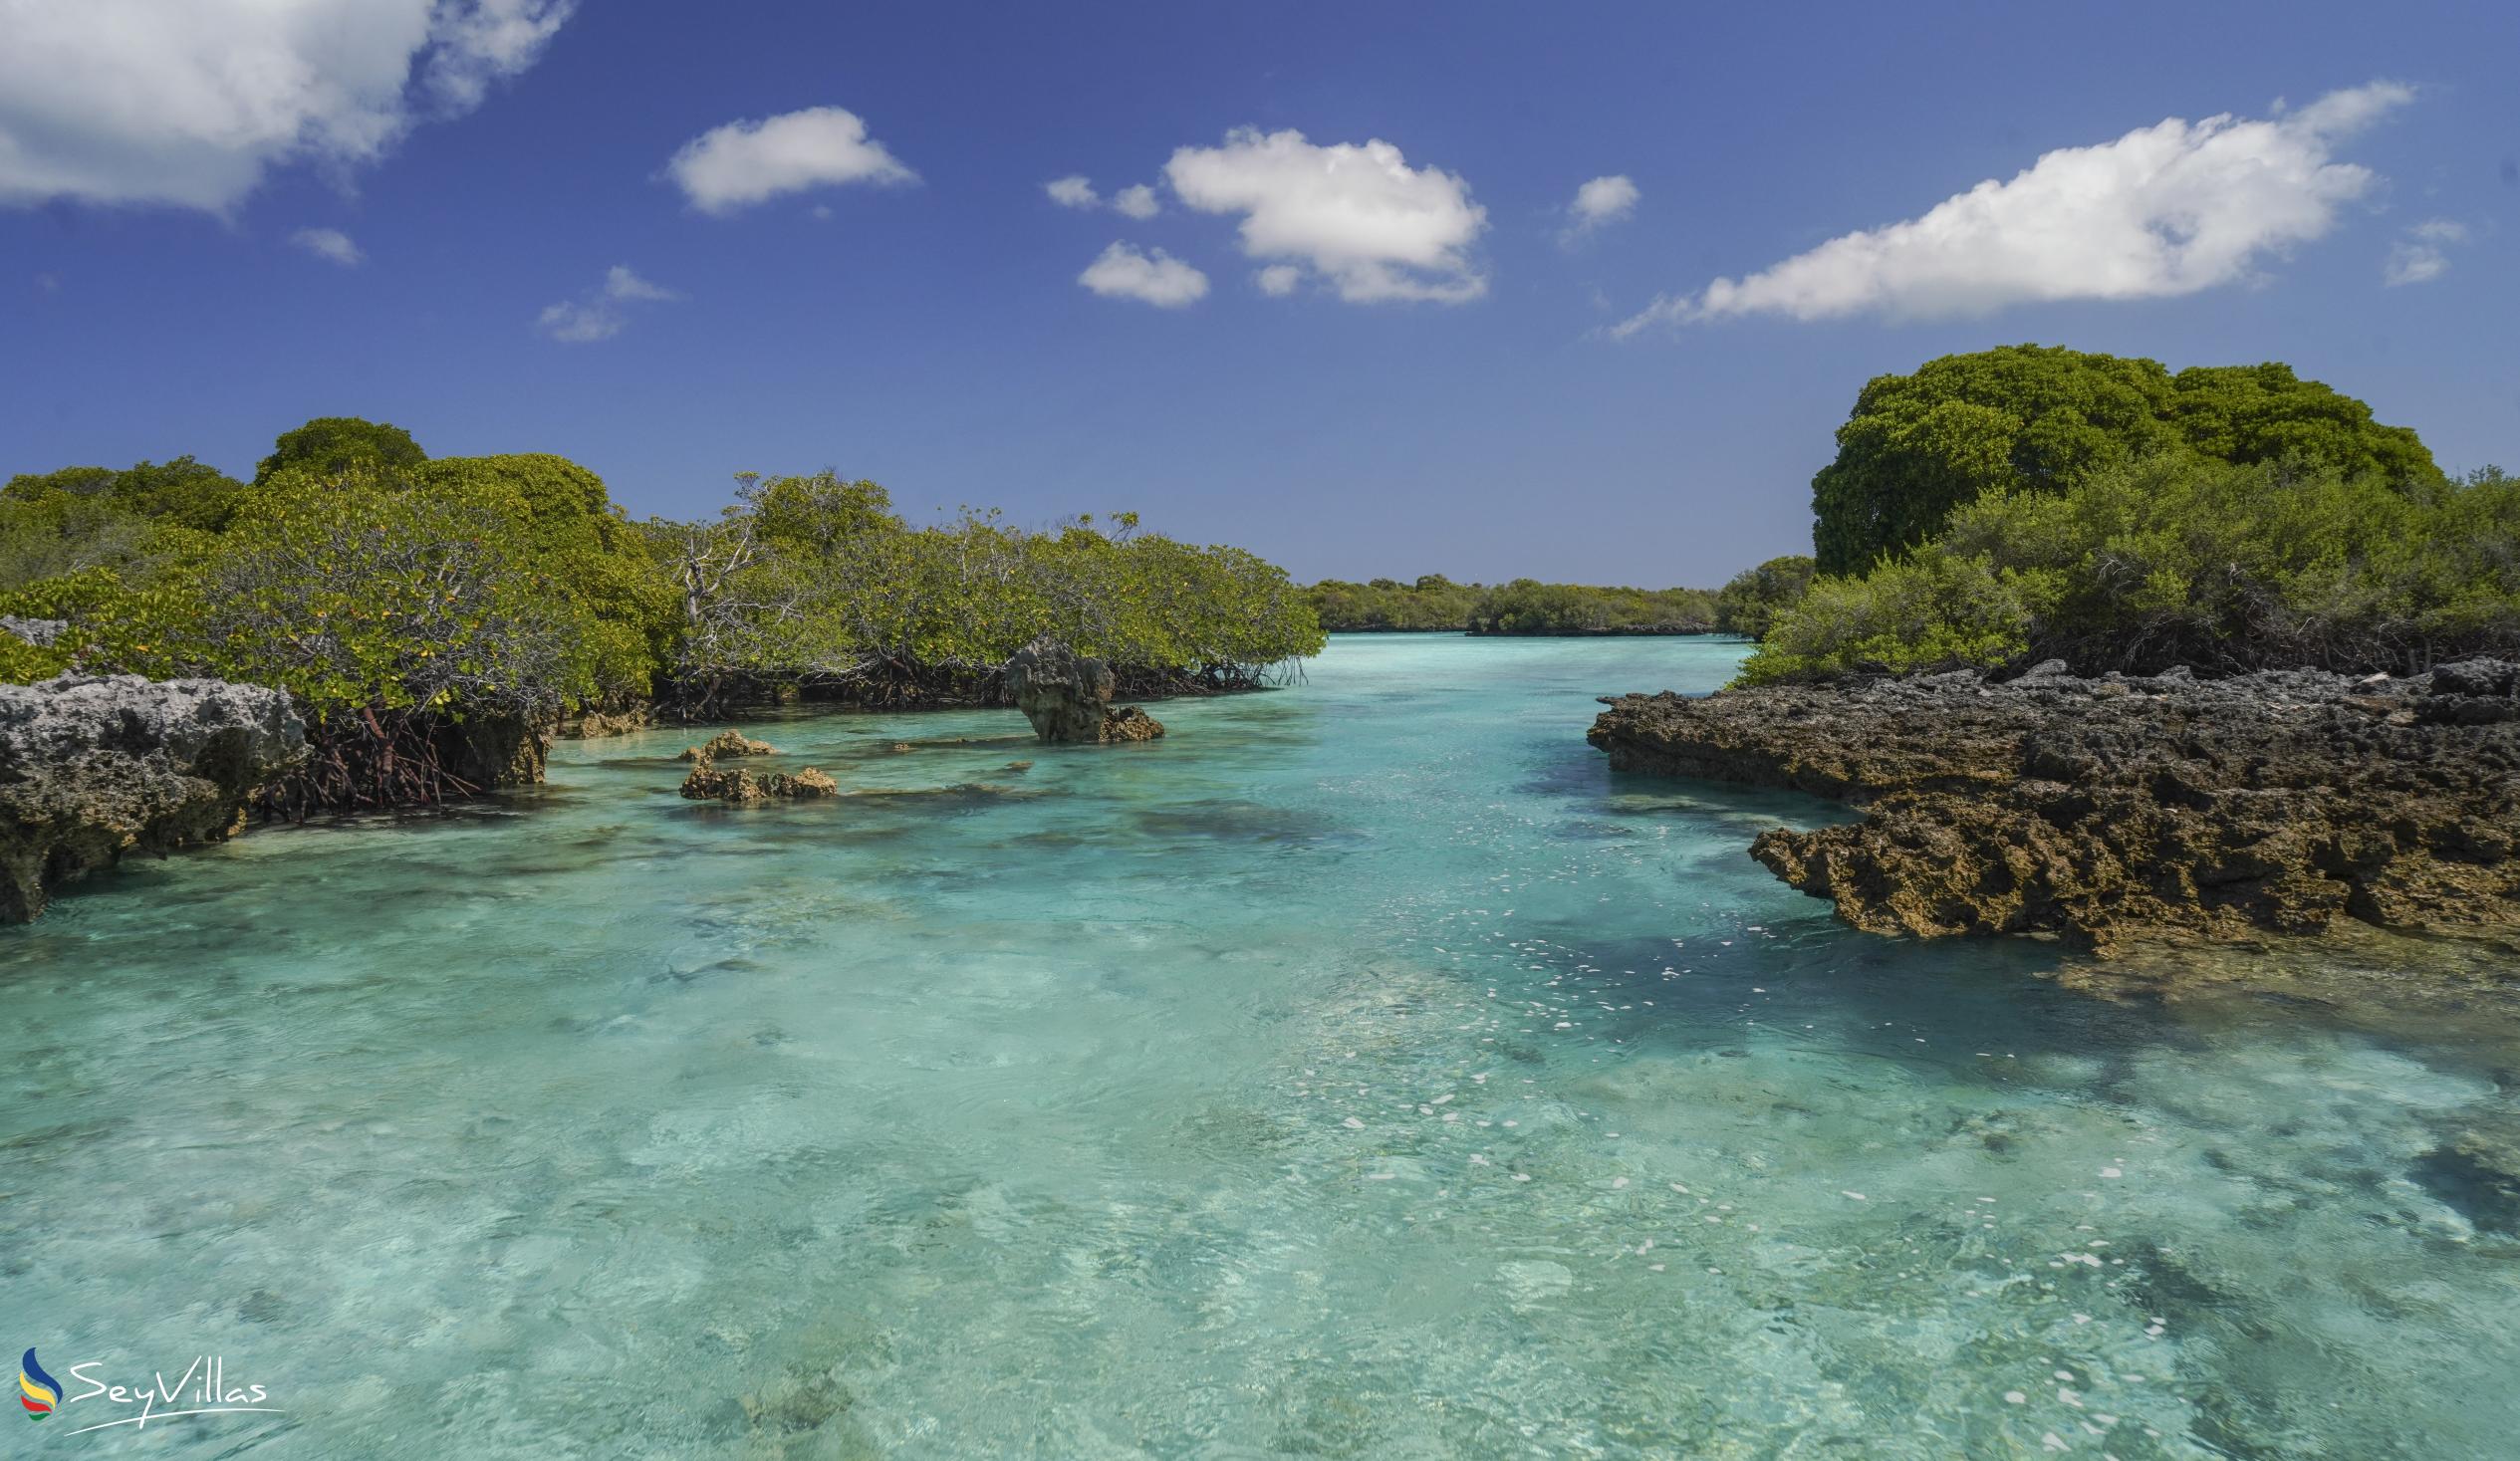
(2164, 210)
(747, 163)
(1359, 217)
(1157, 277)
(599, 314)
(2422, 256)
(327, 243)
(1603, 201)
(1076, 191)
(191, 104)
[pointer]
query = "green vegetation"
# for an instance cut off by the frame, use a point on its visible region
(2034, 419)
(336, 444)
(1432, 604)
(420, 611)
(1523, 607)
(2168, 559)
(1751, 603)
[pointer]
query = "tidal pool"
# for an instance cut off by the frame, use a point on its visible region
(1361, 1071)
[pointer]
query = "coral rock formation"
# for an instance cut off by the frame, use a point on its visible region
(92, 766)
(2104, 808)
(728, 743)
(707, 782)
(1068, 696)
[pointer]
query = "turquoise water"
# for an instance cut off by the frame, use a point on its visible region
(1361, 1072)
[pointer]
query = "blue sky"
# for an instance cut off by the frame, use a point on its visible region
(1438, 381)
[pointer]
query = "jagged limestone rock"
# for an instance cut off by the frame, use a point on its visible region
(1068, 696)
(92, 766)
(728, 743)
(708, 782)
(2105, 809)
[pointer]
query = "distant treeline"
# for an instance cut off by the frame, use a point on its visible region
(1436, 604)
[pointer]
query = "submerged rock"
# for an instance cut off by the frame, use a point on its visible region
(728, 743)
(91, 767)
(2108, 808)
(710, 782)
(1068, 696)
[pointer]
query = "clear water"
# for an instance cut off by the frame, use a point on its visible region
(1363, 1071)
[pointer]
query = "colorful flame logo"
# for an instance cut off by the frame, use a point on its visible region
(37, 1391)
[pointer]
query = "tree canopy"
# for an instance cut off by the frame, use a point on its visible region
(2034, 419)
(341, 445)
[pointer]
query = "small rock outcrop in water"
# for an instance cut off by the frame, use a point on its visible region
(91, 767)
(2101, 809)
(1068, 696)
(728, 743)
(710, 783)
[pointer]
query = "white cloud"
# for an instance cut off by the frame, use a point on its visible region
(1603, 201)
(1280, 279)
(621, 283)
(1157, 278)
(1360, 217)
(599, 314)
(747, 163)
(1137, 201)
(488, 41)
(1075, 191)
(327, 243)
(192, 103)
(2166, 210)
(2423, 256)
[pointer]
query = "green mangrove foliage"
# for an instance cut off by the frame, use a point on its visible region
(2029, 418)
(429, 615)
(2170, 560)
(1431, 602)
(1750, 603)
(1523, 607)
(815, 582)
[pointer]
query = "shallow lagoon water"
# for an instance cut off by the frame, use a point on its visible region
(1361, 1072)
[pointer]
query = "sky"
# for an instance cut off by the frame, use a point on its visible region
(1572, 292)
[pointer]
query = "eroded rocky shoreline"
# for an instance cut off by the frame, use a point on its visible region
(2117, 808)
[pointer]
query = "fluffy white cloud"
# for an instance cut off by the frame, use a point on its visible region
(1360, 217)
(2422, 256)
(747, 163)
(486, 41)
(1075, 191)
(1157, 278)
(1602, 201)
(191, 102)
(2164, 210)
(327, 243)
(1137, 201)
(1279, 279)
(599, 314)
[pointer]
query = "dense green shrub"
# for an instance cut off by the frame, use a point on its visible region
(336, 444)
(2029, 418)
(1750, 602)
(2170, 560)
(814, 582)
